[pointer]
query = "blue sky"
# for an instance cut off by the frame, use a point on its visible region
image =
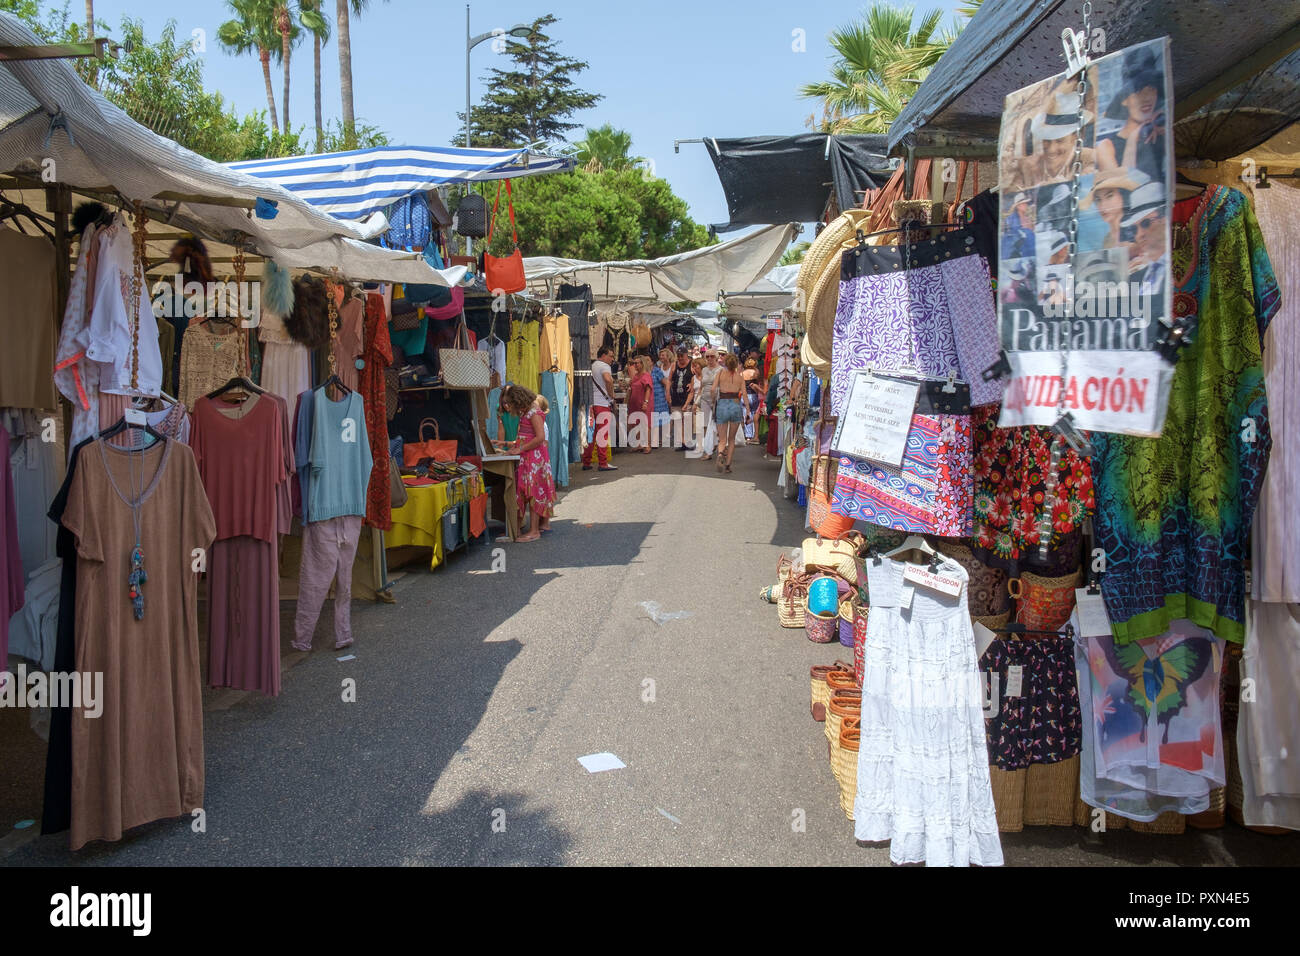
(669, 69)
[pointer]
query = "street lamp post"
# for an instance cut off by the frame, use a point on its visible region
(519, 31)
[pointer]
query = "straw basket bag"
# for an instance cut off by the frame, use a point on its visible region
(1009, 798)
(845, 765)
(1050, 790)
(821, 628)
(792, 608)
(844, 703)
(821, 694)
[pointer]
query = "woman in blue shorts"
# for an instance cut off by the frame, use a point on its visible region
(727, 389)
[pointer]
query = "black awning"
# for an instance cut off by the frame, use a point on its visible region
(774, 179)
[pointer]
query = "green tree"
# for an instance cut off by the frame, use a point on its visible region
(599, 216)
(880, 60)
(605, 147)
(160, 85)
(253, 30)
(532, 101)
(794, 254)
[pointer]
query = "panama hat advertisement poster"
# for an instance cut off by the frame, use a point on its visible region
(1101, 309)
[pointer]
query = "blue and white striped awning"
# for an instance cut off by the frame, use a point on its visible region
(354, 184)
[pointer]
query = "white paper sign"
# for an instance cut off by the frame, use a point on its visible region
(876, 419)
(1112, 391)
(923, 577)
(1093, 621)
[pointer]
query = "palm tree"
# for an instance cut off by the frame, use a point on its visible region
(253, 31)
(605, 147)
(342, 10)
(289, 35)
(314, 20)
(794, 254)
(880, 60)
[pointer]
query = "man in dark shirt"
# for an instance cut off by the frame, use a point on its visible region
(680, 394)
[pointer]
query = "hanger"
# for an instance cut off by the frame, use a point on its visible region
(337, 382)
(863, 237)
(11, 210)
(238, 382)
(1016, 629)
(122, 425)
(916, 543)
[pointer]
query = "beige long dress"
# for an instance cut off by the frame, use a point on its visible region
(142, 758)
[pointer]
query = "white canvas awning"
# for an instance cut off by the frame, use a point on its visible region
(56, 130)
(695, 276)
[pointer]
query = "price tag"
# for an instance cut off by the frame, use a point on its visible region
(1015, 676)
(1093, 619)
(905, 596)
(948, 584)
(135, 416)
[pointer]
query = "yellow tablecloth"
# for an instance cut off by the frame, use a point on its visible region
(419, 521)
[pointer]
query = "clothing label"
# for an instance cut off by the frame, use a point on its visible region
(905, 596)
(774, 323)
(1093, 619)
(135, 417)
(924, 577)
(1015, 676)
(877, 417)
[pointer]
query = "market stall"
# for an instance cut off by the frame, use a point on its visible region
(1083, 562)
(215, 349)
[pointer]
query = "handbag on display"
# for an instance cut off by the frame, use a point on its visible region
(397, 489)
(465, 367)
(504, 273)
(471, 217)
(413, 452)
(410, 223)
(835, 555)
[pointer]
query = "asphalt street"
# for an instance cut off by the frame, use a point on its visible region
(478, 691)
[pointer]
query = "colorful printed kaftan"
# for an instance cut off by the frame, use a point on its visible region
(1174, 512)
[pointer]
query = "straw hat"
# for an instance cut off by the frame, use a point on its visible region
(820, 315)
(825, 247)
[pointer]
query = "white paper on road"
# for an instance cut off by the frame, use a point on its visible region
(653, 611)
(595, 763)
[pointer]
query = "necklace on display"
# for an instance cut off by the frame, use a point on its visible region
(136, 576)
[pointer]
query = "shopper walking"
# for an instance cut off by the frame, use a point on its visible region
(534, 483)
(680, 392)
(728, 387)
(640, 403)
(704, 401)
(602, 392)
(753, 397)
(659, 376)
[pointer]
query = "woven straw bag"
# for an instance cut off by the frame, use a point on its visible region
(844, 763)
(792, 608)
(1050, 790)
(838, 556)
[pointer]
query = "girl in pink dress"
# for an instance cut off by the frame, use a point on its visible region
(534, 484)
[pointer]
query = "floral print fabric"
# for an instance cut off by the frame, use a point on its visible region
(1043, 722)
(928, 316)
(1174, 512)
(1011, 465)
(930, 493)
(533, 474)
